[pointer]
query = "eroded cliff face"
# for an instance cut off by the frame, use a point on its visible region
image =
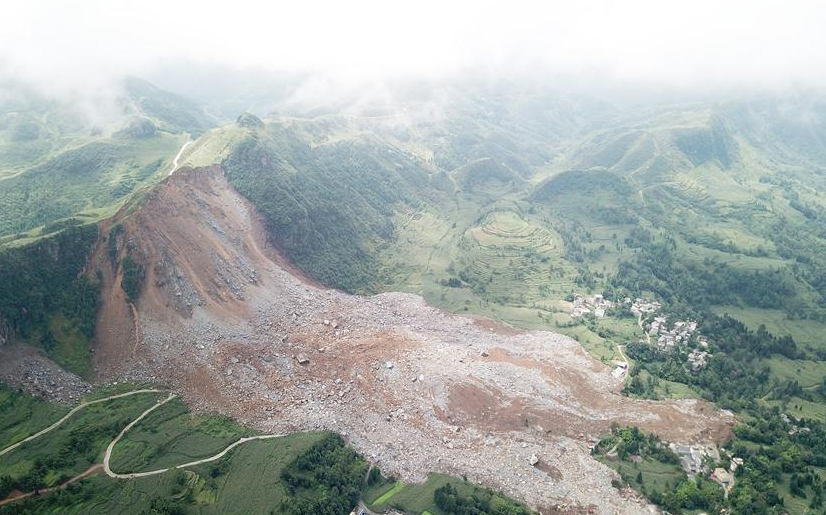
(224, 320)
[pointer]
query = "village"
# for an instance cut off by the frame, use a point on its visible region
(667, 337)
(704, 459)
(584, 305)
(655, 326)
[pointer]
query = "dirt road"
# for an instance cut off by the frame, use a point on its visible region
(19, 497)
(105, 466)
(180, 152)
(108, 454)
(70, 414)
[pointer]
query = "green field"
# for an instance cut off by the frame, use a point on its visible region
(418, 499)
(169, 436)
(23, 415)
(655, 475)
(70, 448)
(247, 481)
(173, 435)
(810, 333)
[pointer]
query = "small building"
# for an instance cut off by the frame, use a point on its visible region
(724, 478)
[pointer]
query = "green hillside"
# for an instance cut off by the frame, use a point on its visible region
(60, 164)
(512, 201)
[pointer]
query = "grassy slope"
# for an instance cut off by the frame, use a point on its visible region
(23, 415)
(254, 467)
(56, 162)
(89, 183)
(416, 498)
(172, 435)
(79, 442)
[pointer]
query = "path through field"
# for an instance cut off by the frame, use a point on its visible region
(105, 466)
(69, 415)
(180, 152)
(108, 454)
(86, 473)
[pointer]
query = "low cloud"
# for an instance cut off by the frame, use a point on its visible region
(70, 46)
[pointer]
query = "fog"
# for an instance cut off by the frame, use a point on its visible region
(686, 43)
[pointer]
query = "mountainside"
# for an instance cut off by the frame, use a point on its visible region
(328, 266)
(65, 163)
(222, 320)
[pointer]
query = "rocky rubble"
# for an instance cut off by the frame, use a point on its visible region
(26, 369)
(412, 387)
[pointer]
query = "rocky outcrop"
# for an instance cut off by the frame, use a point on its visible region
(27, 369)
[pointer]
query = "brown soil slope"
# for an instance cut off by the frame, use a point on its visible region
(224, 321)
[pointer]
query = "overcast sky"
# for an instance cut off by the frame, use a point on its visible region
(675, 42)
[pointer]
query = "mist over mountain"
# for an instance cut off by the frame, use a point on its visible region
(431, 259)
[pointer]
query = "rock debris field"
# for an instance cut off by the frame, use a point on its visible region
(228, 324)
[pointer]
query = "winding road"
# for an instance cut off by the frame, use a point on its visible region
(180, 152)
(107, 456)
(69, 415)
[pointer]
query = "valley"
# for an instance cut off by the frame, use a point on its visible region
(456, 296)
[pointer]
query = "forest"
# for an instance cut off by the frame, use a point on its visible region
(46, 278)
(328, 208)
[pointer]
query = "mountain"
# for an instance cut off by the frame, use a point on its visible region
(460, 277)
(60, 165)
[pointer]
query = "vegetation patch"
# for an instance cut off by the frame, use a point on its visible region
(69, 449)
(441, 494)
(46, 299)
(172, 435)
(648, 465)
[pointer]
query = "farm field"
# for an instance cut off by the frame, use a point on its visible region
(655, 475)
(173, 435)
(809, 333)
(69, 449)
(23, 415)
(417, 499)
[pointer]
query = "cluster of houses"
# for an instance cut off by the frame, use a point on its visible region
(698, 359)
(692, 456)
(793, 428)
(680, 332)
(582, 305)
(694, 459)
(642, 307)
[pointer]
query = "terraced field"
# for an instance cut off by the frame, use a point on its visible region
(70, 448)
(172, 435)
(513, 261)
